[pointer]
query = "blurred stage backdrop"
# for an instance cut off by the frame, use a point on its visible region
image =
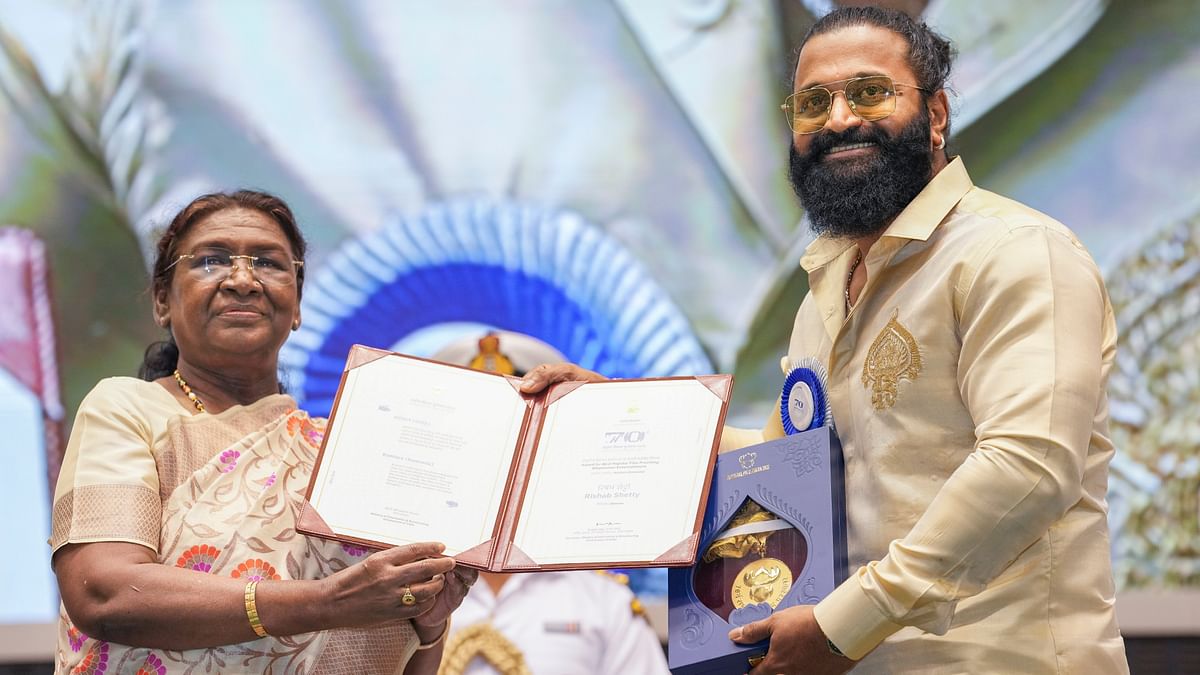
(597, 180)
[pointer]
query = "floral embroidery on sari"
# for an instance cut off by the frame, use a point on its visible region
(255, 570)
(199, 557)
(355, 551)
(75, 638)
(229, 459)
(95, 661)
(152, 666)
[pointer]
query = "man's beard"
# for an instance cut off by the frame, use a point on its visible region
(858, 197)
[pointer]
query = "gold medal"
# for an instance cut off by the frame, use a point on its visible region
(766, 580)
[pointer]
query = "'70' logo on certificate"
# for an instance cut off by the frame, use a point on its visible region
(622, 439)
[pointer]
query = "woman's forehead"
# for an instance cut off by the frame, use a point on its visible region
(238, 226)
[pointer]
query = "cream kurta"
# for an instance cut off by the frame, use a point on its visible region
(968, 389)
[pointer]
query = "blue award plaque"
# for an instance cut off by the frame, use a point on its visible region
(774, 536)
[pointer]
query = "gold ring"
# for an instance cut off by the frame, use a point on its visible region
(408, 599)
(755, 660)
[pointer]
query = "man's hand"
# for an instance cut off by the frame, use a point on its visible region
(552, 373)
(797, 644)
(458, 582)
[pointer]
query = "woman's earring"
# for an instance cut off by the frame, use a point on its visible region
(296, 324)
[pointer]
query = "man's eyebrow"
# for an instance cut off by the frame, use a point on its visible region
(862, 73)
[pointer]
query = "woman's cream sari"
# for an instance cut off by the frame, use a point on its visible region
(230, 487)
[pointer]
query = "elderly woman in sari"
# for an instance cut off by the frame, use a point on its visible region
(174, 530)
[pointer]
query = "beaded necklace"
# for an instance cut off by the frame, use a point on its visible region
(187, 391)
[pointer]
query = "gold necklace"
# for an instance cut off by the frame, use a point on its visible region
(850, 277)
(187, 391)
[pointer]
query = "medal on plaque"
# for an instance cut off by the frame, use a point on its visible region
(763, 580)
(766, 580)
(774, 533)
(750, 566)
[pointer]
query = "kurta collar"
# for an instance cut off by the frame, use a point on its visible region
(917, 221)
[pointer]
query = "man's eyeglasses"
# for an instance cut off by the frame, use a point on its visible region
(215, 266)
(870, 98)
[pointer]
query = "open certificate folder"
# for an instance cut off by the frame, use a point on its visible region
(583, 475)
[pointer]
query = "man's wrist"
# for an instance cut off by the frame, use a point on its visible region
(851, 620)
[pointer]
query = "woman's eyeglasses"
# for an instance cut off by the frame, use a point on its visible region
(215, 266)
(870, 98)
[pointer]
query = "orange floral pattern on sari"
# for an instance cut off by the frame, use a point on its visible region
(95, 660)
(199, 557)
(255, 570)
(152, 666)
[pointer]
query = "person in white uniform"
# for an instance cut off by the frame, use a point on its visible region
(552, 623)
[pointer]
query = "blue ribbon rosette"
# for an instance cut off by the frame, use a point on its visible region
(804, 403)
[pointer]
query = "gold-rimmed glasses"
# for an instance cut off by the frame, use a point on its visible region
(214, 266)
(870, 98)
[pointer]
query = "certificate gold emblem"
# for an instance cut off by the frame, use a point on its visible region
(766, 580)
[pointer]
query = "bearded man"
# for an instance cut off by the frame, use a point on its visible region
(968, 341)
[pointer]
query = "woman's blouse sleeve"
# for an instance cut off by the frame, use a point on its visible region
(108, 486)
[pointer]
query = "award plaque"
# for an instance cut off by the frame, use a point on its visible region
(773, 537)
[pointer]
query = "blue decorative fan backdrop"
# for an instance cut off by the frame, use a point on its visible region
(518, 267)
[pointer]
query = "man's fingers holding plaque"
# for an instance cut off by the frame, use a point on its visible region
(749, 634)
(797, 644)
(752, 632)
(547, 374)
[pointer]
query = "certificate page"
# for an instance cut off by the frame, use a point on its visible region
(619, 472)
(418, 451)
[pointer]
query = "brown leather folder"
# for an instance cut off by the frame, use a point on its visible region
(499, 553)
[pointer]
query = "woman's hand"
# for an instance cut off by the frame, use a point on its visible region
(372, 591)
(430, 624)
(552, 373)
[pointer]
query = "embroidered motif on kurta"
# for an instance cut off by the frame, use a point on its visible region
(893, 356)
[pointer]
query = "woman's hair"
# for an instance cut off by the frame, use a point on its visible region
(162, 357)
